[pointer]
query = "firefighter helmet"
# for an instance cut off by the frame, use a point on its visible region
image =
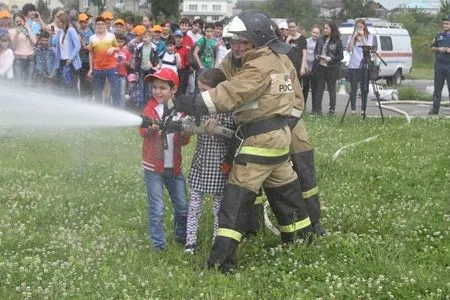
(256, 26)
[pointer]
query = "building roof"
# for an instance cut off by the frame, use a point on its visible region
(393, 4)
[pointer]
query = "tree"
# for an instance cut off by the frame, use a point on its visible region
(303, 11)
(43, 9)
(165, 9)
(353, 9)
(415, 20)
(100, 4)
(444, 9)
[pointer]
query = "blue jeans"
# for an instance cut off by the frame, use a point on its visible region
(23, 70)
(123, 88)
(441, 73)
(176, 186)
(356, 76)
(99, 77)
(146, 88)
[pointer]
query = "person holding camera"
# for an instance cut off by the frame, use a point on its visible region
(328, 54)
(360, 37)
(33, 18)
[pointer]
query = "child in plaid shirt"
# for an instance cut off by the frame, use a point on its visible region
(206, 176)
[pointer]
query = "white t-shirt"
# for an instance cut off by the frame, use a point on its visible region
(194, 36)
(221, 52)
(169, 61)
(168, 154)
(65, 53)
(6, 64)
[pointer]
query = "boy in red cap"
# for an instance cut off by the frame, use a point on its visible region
(162, 167)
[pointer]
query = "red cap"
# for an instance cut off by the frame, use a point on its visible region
(165, 74)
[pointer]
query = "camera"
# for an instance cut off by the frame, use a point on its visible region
(36, 15)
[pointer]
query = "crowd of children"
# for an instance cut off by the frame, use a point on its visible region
(93, 58)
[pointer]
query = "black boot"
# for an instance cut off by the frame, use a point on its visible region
(303, 163)
(289, 208)
(236, 204)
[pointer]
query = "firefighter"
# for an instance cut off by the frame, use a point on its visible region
(302, 151)
(261, 97)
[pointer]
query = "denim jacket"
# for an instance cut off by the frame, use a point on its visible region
(74, 48)
(44, 61)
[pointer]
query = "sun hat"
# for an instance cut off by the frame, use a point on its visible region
(139, 29)
(107, 15)
(83, 17)
(119, 21)
(157, 28)
(132, 77)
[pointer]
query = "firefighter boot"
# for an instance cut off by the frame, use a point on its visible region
(304, 167)
(237, 201)
(291, 213)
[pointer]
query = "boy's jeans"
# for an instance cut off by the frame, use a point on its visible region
(23, 69)
(123, 88)
(176, 186)
(99, 77)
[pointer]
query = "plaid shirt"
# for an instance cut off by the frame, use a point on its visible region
(206, 175)
(44, 61)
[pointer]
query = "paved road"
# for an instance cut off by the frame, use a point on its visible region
(373, 110)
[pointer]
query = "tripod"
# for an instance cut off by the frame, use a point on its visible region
(370, 73)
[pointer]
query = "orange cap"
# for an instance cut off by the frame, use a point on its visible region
(5, 14)
(139, 30)
(83, 17)
(107, 15)
(119, 21)
(157, 28)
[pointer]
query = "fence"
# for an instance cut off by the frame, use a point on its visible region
(422, 55)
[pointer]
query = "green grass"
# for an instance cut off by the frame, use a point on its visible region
(73, 221)
(421, 71)
(410, 93)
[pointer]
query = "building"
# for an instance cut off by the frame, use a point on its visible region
(208, 10)
(16, 5)
(328, 8)
(241, 5)
(429, 6)
(138, 7)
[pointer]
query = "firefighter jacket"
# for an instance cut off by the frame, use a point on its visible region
(262, 89)
(229, 70)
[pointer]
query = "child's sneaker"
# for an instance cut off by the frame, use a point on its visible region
(190, 249)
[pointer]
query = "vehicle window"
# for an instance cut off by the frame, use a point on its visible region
(375, 42)
(386, 43)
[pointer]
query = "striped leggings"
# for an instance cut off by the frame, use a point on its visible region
(195, 210)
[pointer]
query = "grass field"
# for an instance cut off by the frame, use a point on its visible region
(73, 221)
(421, 71)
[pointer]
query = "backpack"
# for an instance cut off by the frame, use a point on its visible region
(192, 61)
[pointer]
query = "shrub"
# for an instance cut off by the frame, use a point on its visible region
(410, 93)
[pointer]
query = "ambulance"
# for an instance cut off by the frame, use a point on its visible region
(391, 41)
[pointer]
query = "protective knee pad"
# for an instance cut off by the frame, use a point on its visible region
(303, 163)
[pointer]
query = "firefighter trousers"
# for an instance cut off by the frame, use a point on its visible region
(239, 196)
